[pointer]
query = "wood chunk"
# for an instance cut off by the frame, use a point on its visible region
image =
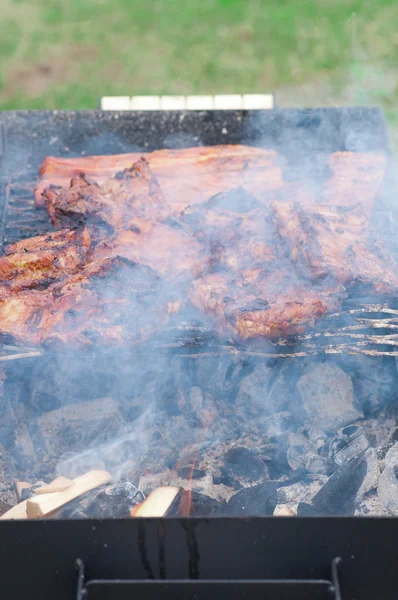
(282, 510)
(19, 486)
(158, 502)
(59, 484)
(16, 512)
(43, 505)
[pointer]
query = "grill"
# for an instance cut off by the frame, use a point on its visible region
(275, 558)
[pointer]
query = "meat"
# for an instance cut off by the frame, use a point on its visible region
(215, 227)
(336, 242)
(356, 178)
(110, 301)
(166, 249)
(130, 194)
(39, 261)
(186, 176)
(232, 227)
(270, 306)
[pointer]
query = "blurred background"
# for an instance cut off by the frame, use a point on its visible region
(68, 53)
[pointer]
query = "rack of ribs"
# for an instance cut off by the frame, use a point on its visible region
(213, 227)
(186, 177)
(110, 301)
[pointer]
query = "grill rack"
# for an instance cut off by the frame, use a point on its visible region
(24, 219)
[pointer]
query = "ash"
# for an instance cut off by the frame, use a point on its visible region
(248, 436)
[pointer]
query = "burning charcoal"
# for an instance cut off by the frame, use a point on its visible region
(30, 491)
(75, 426)
(375, 381)
(115, 501)
(259, 500)
(328, 397)
(299, 450)
(277, 424)
(73, 510)
(387, 443)
(4, 507)
(370, 505)
(338, 495)
(343, 451)
(196, 504)
(317, 464)
(388, 482)
(302, 491)
(203, 407)
(220, 376)
(241, 465)
(252, 398)
(371, 478)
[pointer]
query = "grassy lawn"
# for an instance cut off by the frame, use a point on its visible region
(67, 53)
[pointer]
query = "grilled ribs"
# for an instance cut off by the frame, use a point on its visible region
(110, 301)
(220, 230)
(269, 306)
(41, 260)
(336, 242)
(186, 176)
(130, 194)
(357, 178)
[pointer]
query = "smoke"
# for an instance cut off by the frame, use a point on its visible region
(188, 393)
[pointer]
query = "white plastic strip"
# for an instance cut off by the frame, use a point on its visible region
(228, 102)
(145, 103)
(115, 103)
(218, 102)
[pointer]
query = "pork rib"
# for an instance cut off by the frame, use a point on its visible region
(186, 176)
(110, 301)
(336, 242)
(130, 194)
(356, 178)
(269, 306)
(39, 261)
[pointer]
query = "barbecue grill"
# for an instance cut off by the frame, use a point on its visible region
(318, 557)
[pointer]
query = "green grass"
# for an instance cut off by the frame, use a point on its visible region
(67, 53)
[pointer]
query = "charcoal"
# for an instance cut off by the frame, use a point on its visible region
(348, 443)
(338, 495)
(221, 376)
(317, 464)
(375, 381)
(4, 507)
(243, 462)
(73, 510)
(388, 482)
(24, 449)
(189, 472)
(253, 399)
(74, 427)
(259, 500)
(204, 506)
(278, 423)
(328, 397)
(371, 478)
(303, 490)
(299, 450)
(30, 491)
(198, 504)
(115, 501)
